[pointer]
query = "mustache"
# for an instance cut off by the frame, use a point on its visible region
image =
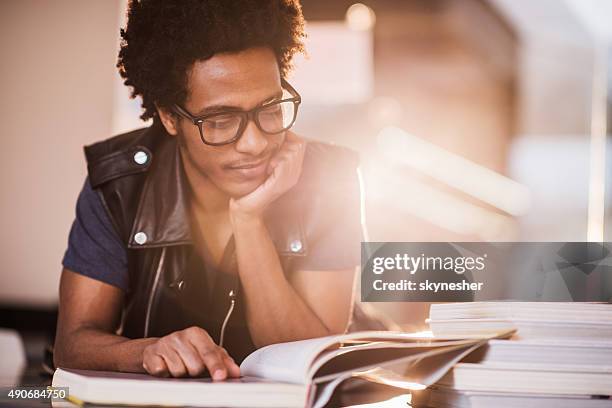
(253, 160)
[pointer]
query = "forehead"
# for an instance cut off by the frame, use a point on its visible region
(241, 79)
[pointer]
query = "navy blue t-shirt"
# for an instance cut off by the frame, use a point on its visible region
(95, 249)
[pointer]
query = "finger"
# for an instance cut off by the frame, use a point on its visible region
(293, 146)
(215, 364)
(270, 168)
(280, 157)
(288, 163)
(292, 137)
(173, 361)
(282, 176)
(208, 351)
(233, 369)
(272, 165)
(189, 356)
(155, 365)
(297, 145)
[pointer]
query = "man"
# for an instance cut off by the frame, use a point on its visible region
(216, 230)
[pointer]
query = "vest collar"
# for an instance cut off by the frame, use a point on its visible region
(162, 217)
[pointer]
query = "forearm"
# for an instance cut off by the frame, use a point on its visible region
(94, 349)
(275, 311)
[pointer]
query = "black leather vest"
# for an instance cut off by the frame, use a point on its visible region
(140, 179)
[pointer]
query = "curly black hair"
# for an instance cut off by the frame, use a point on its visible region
(163, 39)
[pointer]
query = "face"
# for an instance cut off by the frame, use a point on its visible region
(241, 80)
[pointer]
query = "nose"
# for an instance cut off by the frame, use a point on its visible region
(252, 141)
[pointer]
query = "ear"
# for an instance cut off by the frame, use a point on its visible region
(169, 119)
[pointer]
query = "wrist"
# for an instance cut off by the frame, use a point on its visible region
(239, 217)
(136, 348)
(241, 220)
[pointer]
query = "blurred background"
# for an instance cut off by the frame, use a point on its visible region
(476, 120)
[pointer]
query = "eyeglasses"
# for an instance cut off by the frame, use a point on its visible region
(221, 128)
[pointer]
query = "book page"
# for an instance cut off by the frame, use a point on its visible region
(290, 362)
(403, 373)
(356, 356)
(287, 362)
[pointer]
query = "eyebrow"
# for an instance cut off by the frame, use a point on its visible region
(221, 108)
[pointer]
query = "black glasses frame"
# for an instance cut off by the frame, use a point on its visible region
(245, 116)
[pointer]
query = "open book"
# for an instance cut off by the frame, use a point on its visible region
(294, 374)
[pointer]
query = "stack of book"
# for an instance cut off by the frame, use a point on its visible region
(560, 356)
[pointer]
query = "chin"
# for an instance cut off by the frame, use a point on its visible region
(240, 189)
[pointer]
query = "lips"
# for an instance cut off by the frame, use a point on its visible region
(248, 165)
(250, 170)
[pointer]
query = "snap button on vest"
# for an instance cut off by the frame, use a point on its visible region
(141, 157)
(296, 245)
(140, 238)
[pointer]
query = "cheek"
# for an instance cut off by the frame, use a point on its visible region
(210, 165)
(206, 159)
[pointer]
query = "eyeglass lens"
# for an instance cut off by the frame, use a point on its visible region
(273, 118)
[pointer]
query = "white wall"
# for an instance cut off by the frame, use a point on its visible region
(56, 81)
